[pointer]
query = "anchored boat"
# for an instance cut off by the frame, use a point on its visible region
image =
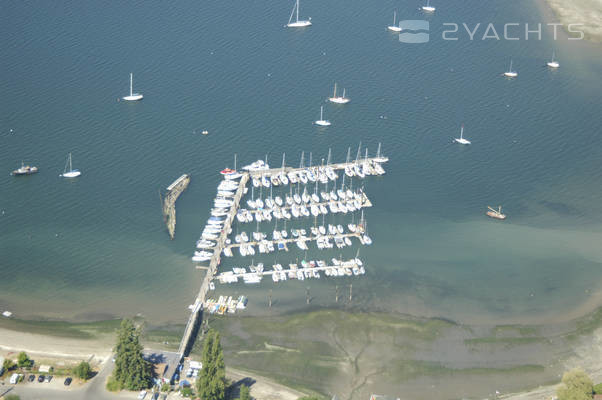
(25, 170)
(497, 214)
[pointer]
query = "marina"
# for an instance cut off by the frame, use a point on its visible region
(214, 241)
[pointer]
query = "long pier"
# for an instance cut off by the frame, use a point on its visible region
(195, 315)
(169, 202)
(195, 318)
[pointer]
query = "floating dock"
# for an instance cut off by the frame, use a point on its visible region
(169, 202)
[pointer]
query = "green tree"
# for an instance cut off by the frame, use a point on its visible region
(9, 365)
(576, 386)
(131, 371)
(211, 385)
(598, 388)
(83, 371)
(12, 397)
(244, 393)
(166, 387)
(23, 360)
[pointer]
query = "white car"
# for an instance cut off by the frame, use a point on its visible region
(142, 394)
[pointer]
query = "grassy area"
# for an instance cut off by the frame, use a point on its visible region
(523, 330)
(316, 349)
(506, 341)
(586, 324)
(408, 369)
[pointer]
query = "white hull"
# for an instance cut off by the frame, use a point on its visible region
(510, 74)
(553, 64)
(299, 24)
(393, 28)
(134, 97)
(71, 174)
(462, 141)
(322, 122)
(338, 100)
(428, 9)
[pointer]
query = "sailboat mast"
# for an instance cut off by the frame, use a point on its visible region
(378, 151)
(394, 17)
(70, 163)
(297, 10)
(131, 83)
(462, 131)
(235, 161)
(321, 113)
(335, 90)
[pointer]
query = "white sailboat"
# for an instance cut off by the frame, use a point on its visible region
(71, 173)
(510, 73)
(428, 7)
(133, 96)
(322, 121)
(338, 99)
(461, 139)
(553, 63)
(297, 23)
(394, 28)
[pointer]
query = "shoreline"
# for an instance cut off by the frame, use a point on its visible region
(586, 12)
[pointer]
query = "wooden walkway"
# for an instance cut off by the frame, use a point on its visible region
(194, 319)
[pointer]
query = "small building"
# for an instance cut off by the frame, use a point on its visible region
(165, 364)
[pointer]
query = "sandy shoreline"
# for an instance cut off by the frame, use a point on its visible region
(45, 346)
(586, 12)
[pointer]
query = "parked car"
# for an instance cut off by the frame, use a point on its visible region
(41, 378)
(48, 378)
(68, 381)
(31, 378)
(142, 395)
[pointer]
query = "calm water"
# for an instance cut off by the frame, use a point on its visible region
(96, 246)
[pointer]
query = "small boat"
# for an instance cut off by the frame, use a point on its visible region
(322, 121)
(428, 7)
(497, 214)
(133, 96)
(25, 170)
(510, 73)
(71, 173)
(552, 63)
(297, 23)
(338, 99)
(461, 139)
(394, 28)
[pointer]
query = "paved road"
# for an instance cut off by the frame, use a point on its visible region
(94, 390)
